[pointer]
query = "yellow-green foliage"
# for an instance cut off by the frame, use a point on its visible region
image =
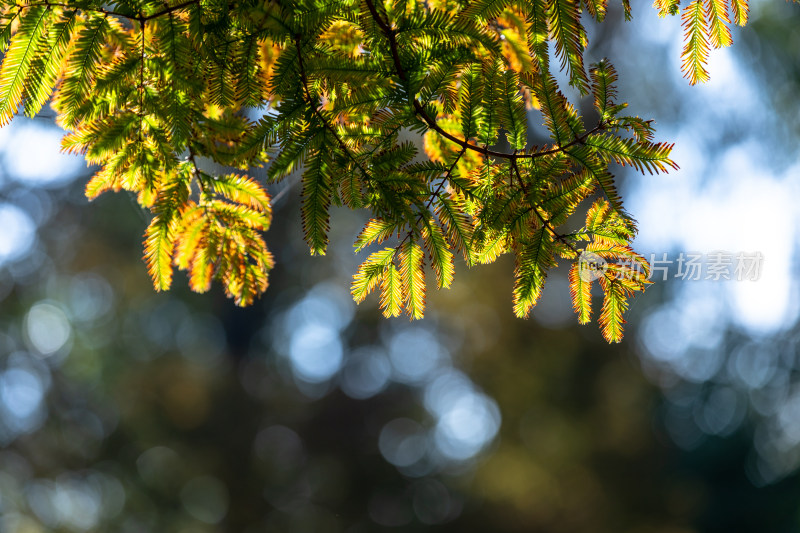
(147, 87)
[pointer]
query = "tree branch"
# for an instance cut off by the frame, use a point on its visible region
(314, 106)
(535, 209)
(141, 17)
(419, 109)
(433, 196)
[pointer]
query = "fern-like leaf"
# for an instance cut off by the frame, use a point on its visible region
(242, 190)
(492, 79)
(667, 7)
(597, 8)
(604, 180)
(717, 16)
(47, 68)
(695, 50)
(161, 233)
(81, 68)
(441, 258)
(457, 226)
(391, 292)
(580, 286)
(316, 202)
(741, 11)
(412, 275)
(158, 246)
(614, 306)
(604, 76)
(472, 111)
(370, 273)
(643, 156)
(512, 111)
(605, 226)
(485, 10)
(375, 231)
(17, 62)
(560, 117)
(563, 198)
(570, 38)
(534, 259)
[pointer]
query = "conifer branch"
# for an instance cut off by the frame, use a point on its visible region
(535, 209)
(136, 84)
(314, 105)
(419, 109)
(140, 17)
(433, 196)
(141, 80)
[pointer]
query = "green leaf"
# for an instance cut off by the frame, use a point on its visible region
(606, 226)
(440, 256)
(717, 16)
(559, 115)
(375, 231)
(667, 7)
(489, 245)
(565, 196)
(458, 229)
(81, 67)
(316, 203)
(249, 89)
(512, 111)
(626, 10)
(472, 111)
(241, 189)
(180, 83)
(221, 88)
(32, 34)
(161, 233)
(48, 67)
(570, 38)
(370, 273)
(492, 83)
(695, 50)
(643, 156)
(412, 275)
(741, 11)
(391, 292)
(604, 76)
(485, 10)
(614, 306)
(533, 260)
(158, 246)
(580, 286)
(597, 8)
(604, 180)
(438, 28)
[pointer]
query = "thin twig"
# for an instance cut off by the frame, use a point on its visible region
(315, 108)
(141, 17)
(545, 223)
(445, 178)
(391, 35)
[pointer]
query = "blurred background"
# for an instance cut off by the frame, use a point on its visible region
(126, 410)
